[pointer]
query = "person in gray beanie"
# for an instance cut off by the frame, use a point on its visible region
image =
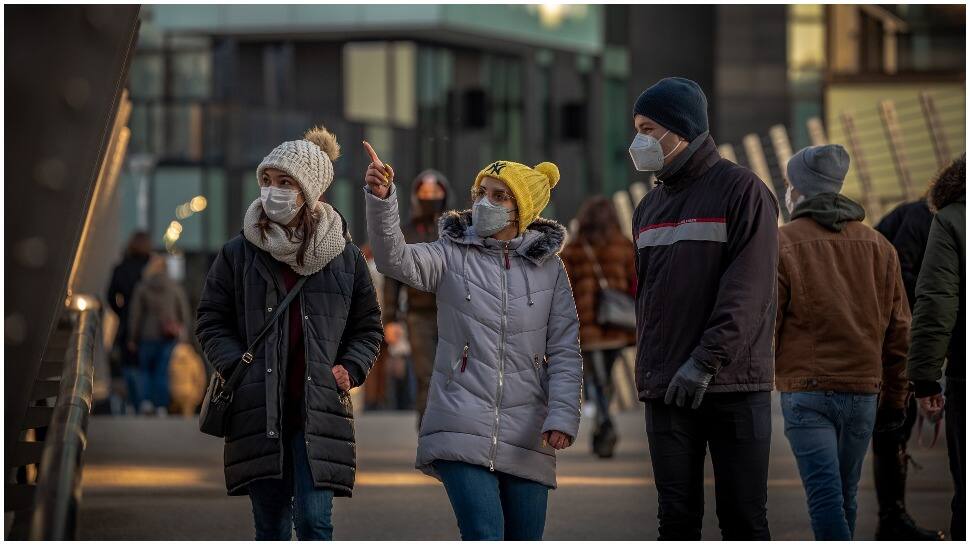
(706, 254)
(815, 170)
(842, 336)
(290, 441)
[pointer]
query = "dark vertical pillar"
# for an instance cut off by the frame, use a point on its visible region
(65, 70)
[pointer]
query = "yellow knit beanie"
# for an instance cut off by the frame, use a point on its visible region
(530, 186)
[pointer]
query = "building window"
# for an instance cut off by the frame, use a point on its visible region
(379, 83)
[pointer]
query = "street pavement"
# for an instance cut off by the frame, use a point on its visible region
(161, 479)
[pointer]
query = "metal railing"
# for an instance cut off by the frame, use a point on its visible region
(58, 493)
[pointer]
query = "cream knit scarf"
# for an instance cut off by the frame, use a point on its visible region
(328, 240)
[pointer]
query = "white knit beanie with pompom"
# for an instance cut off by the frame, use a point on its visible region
(308, 161)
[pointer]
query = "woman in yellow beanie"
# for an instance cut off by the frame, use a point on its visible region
(505, 390)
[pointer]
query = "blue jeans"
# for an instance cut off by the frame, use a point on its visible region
(153, 359)
(279, 505)
(492, 506)
(829, 433)
(133, 383)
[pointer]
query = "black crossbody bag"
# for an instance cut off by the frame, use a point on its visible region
(214, 416)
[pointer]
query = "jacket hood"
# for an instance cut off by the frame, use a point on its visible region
(950, 184)
(543, 238)
(442, 181)
(830, 210)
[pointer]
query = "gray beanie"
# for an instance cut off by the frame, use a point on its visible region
(818, 169)
(308, 161)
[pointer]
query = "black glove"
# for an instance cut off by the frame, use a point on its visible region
(890, 419)
(690, 380)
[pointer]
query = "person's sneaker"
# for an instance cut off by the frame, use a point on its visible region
(161, 411)
(903, 528)
(146, 407)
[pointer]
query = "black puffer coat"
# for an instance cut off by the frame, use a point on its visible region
(341, 325)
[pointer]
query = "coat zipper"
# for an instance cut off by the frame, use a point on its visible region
(283, 369)
(501, 362)
(464, 358)
(306, 363)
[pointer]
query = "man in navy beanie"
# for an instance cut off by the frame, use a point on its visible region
(707, 258)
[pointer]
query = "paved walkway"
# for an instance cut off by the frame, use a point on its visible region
(162, 479)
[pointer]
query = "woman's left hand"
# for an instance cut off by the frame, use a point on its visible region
(342, 377)
(557, 439)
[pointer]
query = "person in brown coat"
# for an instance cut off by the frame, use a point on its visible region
(600, 250)
(842, 334)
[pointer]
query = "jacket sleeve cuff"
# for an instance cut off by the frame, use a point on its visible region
(390, 193)
(356, 372)
(926, 388)
(565, 425)
(705, 360)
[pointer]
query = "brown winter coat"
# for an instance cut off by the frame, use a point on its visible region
(616, 260)
(843, 318)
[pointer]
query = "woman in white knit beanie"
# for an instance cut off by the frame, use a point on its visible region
(290, 439)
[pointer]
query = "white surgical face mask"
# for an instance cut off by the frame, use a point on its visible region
(489, 218)
(789, 204)
(279, 204)
(647, 153)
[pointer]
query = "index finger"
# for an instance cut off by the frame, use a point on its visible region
(373, 155)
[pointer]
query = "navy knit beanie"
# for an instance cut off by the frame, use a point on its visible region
(678, 104)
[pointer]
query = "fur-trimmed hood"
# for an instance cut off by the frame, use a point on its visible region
(950, 184)
(544, 238)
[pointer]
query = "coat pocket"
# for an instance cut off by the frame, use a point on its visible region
(540, 365)
(460, 364)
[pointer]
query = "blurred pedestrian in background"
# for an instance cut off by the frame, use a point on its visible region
(939, 327)
(907, 227)
(124, 277)
(375, 391)
(290, 444)
(159, 315)
(707, 255)
(599, 258)
(842, 336)
(507, 382)
(429, 199)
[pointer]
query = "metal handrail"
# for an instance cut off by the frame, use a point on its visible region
(58, 493)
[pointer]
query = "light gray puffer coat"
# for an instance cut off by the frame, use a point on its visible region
(508, 366)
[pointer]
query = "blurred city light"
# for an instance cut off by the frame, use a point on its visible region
(551, 14)
(198, 203)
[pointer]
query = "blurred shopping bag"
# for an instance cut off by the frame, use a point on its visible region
(187, 379)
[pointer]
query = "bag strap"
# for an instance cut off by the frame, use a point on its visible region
(597, 270)
(248, 356)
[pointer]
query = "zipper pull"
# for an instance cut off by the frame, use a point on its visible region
(464, 358)
(536, 357)
(508, 265)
